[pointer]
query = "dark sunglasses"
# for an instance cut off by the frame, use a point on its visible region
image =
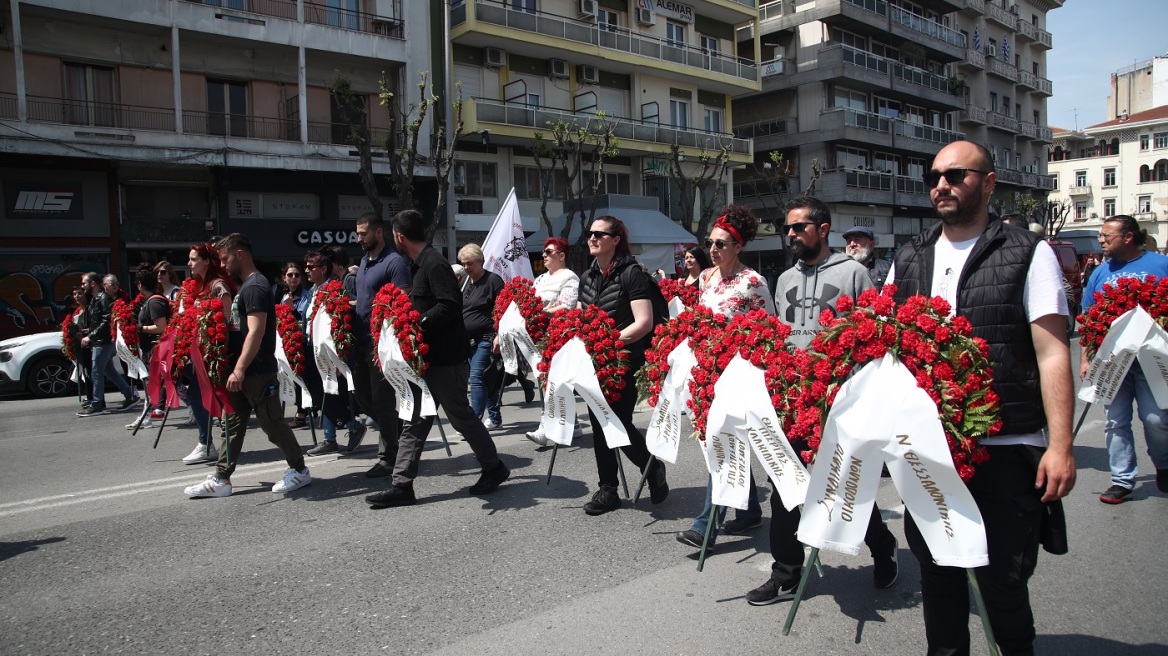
(295, 274)
(719, 243)
(798, 228)
(952, 176)
(314, 266)
(600, 234)
(549, 251)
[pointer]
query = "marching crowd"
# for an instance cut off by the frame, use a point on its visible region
(1005, 280)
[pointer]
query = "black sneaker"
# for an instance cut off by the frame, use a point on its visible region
(885, 569)
(1117, 494)
(694, 539)
(129, 403)
(324, 448)
(528, 390)
(93, 411)
(1162, 480)
(379, 470)
(356, 435)
(392, 498)
(605, 500)
(297, 422)
(491, 479)
(736, 526)
(769, 593)
(658, 486)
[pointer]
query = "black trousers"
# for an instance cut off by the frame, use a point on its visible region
(1012, 511)
(379, 402)
(637, 453)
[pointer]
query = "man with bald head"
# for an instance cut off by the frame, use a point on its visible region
(1008, 284)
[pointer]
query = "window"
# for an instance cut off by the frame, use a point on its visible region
(1109, 179)
(1108, 207)
(1144, 141)
(848, 38)
(679, 113)
(616, 183)
(709, 44)
(1160, 140)
(993, 102)
(850, 158)
(89, 92)
(344, 13)
(1080, 210)
(851, 99)
(1006, 105)
(607, 19)
(712, 120)
(523, 5)
(885, 107)
(227, 108)
(916, 168)
(530, 184)
(1144, 203)
(1080, 178)
(675, 33)
(886, 163)
(1054, 179)
(475, 179)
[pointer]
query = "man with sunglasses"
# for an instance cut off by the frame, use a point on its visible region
(814, 284)
(1008, 284)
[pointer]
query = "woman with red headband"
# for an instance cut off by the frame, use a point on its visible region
(730, 288)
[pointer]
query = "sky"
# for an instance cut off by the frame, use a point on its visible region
(1092, 39)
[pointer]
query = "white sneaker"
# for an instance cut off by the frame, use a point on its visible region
(212, 487)
(144, 424)
(578, 431)
(492, 424)
(293, 480)
(538, 437)
(202, 453)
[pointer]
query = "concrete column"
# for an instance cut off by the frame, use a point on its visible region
(176, 77)
(18, 57)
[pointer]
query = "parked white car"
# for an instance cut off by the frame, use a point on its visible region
(35, 363)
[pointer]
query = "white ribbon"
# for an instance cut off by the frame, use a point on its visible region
(515, 341)
(665, 427)
(288, 379)
(571, 371)
(133, 362)
(401, 375)
(324, 351)
(1133, 338)
(741, 419)
(880, 417)
(676, 307)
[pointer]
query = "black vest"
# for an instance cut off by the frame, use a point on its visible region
(990, 294)
(607, 293)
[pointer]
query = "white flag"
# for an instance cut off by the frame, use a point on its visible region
(504, 249)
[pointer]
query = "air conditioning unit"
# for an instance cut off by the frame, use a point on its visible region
(1014, 9)
(991, 50)
(557, 68)
(587, 9)
(646, 17)
(586, 74)
(494, 57)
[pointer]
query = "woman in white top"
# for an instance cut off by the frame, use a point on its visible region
(558, 288)
(730, 288)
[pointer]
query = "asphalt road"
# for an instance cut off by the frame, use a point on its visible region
(101, 552)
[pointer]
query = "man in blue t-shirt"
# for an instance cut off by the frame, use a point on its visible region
(1122, 241)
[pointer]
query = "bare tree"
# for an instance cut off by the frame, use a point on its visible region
(578, 151)
(772, 183)
(707, 170)
(355, 117)
(1053, 216)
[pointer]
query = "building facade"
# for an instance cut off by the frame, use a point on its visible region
(867, 92)
(1116, 167)
(1138, 88)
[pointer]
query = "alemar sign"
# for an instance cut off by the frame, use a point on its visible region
(325, 237)
(32, 201)
(675, 10)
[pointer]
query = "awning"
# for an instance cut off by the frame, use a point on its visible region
(1085, 241)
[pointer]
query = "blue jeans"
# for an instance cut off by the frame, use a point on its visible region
(1121, 444)
(753, 510)
(202, 417)
(480, 398)
(103, 365)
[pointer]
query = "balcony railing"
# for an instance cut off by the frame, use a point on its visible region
(345, 19)
(1026, 30)
(975, 58)
(999, 67)
(618, 39)
(775, 67)
(1028, 129)
(1000, 15)
(926, 132)
(974, 6)
(107, 115)
(1044, 39)
(1002, 121)
(1026, 78)
(766, 128)
(974, 113)
(926, 26)
(8, 106)
(539, 118)
(855, 118)
(922, 77)
(1012, 176)
(761, 188)
(1080, 190)
(884, 66)
(1044, 86)
(1150, 215)
(1042, 133)
(776, 9)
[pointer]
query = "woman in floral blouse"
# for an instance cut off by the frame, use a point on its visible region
(730, 288)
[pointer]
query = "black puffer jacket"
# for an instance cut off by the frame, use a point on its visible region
(607, 293)
(990, 295)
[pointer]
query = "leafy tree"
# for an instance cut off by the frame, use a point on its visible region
(578, 150)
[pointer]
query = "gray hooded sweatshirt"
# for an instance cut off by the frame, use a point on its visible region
(803, 292)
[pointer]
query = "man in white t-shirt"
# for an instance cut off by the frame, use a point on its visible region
(1008, 284)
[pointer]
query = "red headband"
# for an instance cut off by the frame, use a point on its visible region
(725, 225)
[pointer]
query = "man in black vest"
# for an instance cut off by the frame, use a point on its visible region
(1007, 282)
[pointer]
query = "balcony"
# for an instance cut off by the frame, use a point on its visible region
(1026, 31)
(973, 60)
(871, 187)
(1000, 16)
(776, 67)
(919, 83)
(1003, 122)
(1150, 215)
(481, 21)
(925, 32)
(1000, 68)
(1027, 129)
(769, 135)
(1008, 175)
(864, 70)
(1044, 87)
(973, 114)
(1079, 190)
(927, 138)
(759, 193)
(1043, 134)
(1027, 79)
(345, 19)
(1044, 40)
(973, 7)
(519, 123)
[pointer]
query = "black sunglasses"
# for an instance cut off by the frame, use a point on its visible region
(600, 234)
(550, 251)
(798, 228)
(719, 243)
(952, 176)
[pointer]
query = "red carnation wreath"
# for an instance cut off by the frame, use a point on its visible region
(211, 327)
(601, 339)
(672, 288)
(182, 326)
(186, 295)
(67, 346)
(1150, 293)
(695, 324)
(760, 339)
(124, 317)
(949, 365)
(332, 297)
(521, 291)
(393, 305)
(291, 336)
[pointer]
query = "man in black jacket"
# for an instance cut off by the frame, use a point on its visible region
(435, 295)
(1007, 282)
(861, 247)
(99, 339)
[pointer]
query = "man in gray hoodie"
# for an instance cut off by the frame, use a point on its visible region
(813, 285)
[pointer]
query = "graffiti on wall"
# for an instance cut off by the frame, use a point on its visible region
(36, 290)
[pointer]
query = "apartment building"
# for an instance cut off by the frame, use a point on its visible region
(870, 90)
(662, 72)
(132, 129)
(1138, 88)
(1119, 166)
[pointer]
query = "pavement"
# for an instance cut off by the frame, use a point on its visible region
(101, 552)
